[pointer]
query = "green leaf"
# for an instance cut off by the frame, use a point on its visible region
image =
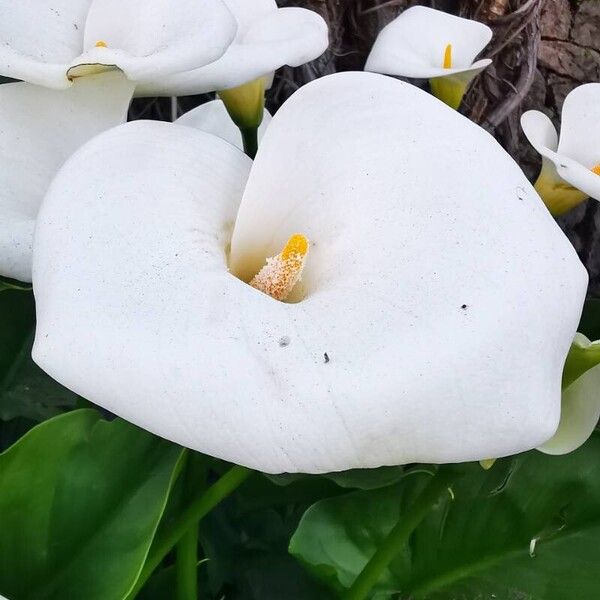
(12, 284)
(527, 528)
(367, 479)
(80, 499)
(359, 479)
(25, 390)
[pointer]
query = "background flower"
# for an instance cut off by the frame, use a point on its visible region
(39, 129)
(267, 38)
(48, 42)
(570, 165)
(430, 44)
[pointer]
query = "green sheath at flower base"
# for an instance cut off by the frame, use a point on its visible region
(558, 195)
(245, 105)
(449, 90)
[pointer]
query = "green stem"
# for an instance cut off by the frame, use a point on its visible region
(398, 536)
(250, 139)
(185, 567)
(187, 548)
(191, 516)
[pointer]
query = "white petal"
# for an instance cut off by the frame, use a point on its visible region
(412, 211)
(389, 189)
(413, 44)
(39, 129)
(276, 37)
(580, 125)
(578, 176)
(540, 131)
(150, 39)
(580, 411)
(212, 117)
(40, 38)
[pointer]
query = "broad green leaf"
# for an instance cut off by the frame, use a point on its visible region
(337, 536)
(80, 499)
(359, 479)
(527, 528)
(25, 390)
(13, 284)
(367, 479)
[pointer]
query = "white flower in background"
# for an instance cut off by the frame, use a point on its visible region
(580, 399)
(267, 38)
(52, 42)
(424, 43)
(570, 166)
(403, 340)
(39, 129)
(212, 117)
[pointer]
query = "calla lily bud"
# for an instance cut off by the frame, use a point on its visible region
(570, 165)
(430, 44)
(212, 117)
(330, 305)
(245, 105)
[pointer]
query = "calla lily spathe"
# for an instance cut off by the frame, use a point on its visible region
(580, 408)
(424, 43)
(212, 117)
(267, 38)
(51, 42)
(397, 345)
(570, 165)
(39, 129)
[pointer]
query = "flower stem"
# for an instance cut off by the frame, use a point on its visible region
(250, 139)
(191, 516)
(185, 567)
(187, 548)
(398, 536)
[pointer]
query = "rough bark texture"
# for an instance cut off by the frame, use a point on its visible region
(542, 49)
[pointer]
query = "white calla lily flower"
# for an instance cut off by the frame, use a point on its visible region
(212, 117)
(267, 38)
(397, 345)
(52, 42)
(425, 43)
(570, 165)
(580, 409)
(39, 129)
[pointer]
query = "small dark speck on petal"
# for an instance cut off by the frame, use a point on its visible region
(284, 341)
(326, 357)
(464, 307)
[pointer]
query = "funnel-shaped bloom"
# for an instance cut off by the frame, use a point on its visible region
(580, 409)
(50, 42)
(267, 38)
(212, 117)
(418, 280)
(424, 43)
(39, 129)
(570, 166)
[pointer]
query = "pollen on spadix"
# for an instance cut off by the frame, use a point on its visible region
(281, 272)
(596, 169)
(101, 44)
(447, 57)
